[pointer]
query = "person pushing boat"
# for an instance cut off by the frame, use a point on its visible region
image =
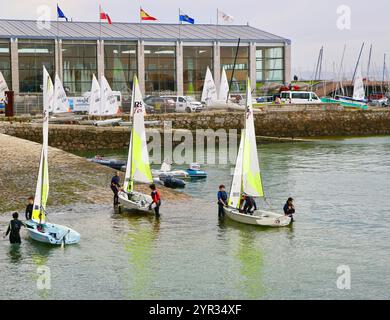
(222, 200)
(115, 187)
(14, 229)
(29, 208)
(156, 198)
(289, 208)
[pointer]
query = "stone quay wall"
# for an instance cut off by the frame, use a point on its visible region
(287, 124)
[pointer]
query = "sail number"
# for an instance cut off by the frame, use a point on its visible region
(137, 107)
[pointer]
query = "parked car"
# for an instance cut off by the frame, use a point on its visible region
(265, 99)
(160, 104)
(299, 97)
(187, 104)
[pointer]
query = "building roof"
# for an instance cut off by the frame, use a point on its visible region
(31, 29)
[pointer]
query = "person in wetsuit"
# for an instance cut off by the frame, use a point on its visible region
(29, 208)
(222, 200)
(14, 229)
(249, 205)
(115, 187)
(289, 208)
(156, 198)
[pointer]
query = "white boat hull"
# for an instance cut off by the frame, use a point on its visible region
(135, 202)
(179, 174)
(51, 233)
(259, 218)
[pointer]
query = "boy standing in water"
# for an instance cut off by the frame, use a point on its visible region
(115, 187)
(222, 201)
(14, 229)
(289, 208)
(156, 199)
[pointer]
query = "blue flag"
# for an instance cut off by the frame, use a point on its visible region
(60, 14)
(185, 18)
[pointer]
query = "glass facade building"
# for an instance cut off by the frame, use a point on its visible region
(195, 62)
(168, 58)
(160, 69)
(33, 54)
(241, 70)
(79, 63)
(5, 61)
(269, 65)
(120, 65)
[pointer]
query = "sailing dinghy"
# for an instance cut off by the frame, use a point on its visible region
(37, 227)
(138, 167)
(247, 177)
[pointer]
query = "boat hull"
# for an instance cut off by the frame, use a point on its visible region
(137, 202)
(53, 234)
(259, 218)
(179, 174)
(197, 174)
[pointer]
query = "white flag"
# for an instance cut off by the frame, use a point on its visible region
(225, 17)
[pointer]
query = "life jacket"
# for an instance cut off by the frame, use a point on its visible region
(156, 196)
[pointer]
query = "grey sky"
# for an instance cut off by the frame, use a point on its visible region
(308, 23)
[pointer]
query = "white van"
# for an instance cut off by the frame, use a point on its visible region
(186, 104)
(299, 97)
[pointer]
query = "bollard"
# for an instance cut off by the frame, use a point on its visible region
(9, 103)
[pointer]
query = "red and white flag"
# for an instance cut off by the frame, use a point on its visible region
(104, 16)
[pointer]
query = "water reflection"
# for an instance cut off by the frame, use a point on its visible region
(14, 253)
(140, 244)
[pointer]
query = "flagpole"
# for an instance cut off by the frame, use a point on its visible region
(140, 23)
(179, 25)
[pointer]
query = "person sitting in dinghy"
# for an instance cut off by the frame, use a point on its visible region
(289, 208)
(249, 204)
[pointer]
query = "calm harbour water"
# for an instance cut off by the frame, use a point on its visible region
(341, 195)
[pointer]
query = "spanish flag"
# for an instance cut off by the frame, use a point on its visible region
(145, 16)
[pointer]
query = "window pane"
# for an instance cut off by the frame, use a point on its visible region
(160, 69)
(195, 63)
(32, 56)
(79, 64)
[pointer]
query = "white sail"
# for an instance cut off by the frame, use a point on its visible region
(251, 182)
(48, 91)
(358, 86)
(61, 103)
(42, 189)
(3, 87)
(224, 87)
(236, 188)
(108, 100)
(209, 93)
(138, 167)
(94, 98)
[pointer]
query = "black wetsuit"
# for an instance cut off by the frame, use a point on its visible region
(250, 205)
(29, 210)
(289, 211)
(14, 231)
(115, 188)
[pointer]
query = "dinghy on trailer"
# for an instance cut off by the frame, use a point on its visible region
(247, 178)
(38, 229)
(138, 167)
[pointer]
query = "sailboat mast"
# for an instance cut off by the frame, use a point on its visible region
(357, 63)
(368, 69)
(131, 137)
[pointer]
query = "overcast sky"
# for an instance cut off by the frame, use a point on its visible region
(308, 23)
